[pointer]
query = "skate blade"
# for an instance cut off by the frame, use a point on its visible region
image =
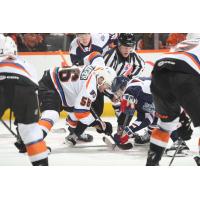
(183, 153)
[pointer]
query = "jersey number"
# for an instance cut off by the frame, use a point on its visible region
(66, 75)
(86, 102)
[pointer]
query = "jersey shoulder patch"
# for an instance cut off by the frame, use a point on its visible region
(86, 72)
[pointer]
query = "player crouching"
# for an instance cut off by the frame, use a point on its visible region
(135, 95)
(73, 90)
(81, 117)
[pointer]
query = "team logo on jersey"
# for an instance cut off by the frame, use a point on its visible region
(148, 107)
(86, 72)
(86, 49)
(93, 94)
(12, 77)
(161, 63)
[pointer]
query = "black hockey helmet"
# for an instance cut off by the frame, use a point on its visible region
(126, 39)
(119, 82)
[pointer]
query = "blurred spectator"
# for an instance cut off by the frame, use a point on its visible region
(69, 39)
(147, 41)
(175, 38)
(86, 43)
(56, 41)
(163, 37)
(31, 42)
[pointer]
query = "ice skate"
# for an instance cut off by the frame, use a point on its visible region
(182, 152)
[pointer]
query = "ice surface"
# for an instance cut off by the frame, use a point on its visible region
(95, 153)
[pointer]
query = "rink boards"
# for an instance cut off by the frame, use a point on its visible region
(45, 60)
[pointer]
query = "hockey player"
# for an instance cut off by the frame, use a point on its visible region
(86, 43)
(135, 95)
(124, 60)
(18, 86)
(74, 89)
(175, 83)
(83, 45)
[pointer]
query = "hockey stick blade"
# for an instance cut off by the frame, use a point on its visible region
(126, 146)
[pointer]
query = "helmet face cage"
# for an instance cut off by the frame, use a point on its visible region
(126, 39)
(119, 84)
(108, 74)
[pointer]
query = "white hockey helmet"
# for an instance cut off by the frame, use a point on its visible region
(107, 73)
(7, 46)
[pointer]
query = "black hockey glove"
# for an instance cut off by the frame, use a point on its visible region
(185, 131)
(102, 127)
(20, 146)
(107, 129)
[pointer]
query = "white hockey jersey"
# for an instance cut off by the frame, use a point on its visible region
(77, 88)
(18, 66)
(99, 42)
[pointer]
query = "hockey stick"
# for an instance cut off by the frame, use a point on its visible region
(65, 63)
(180, 142)
(10, 130)
(127, 145)
(121, 146)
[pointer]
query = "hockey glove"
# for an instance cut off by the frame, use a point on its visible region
(121, 139)
(20, 146)
(127, 104)
(106, 128)
(185, 132)
(129, 130)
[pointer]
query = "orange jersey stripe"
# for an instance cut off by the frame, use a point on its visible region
(150, 63)
(93, 54)
(13, 65)
(36, 148)
(187, 55)
(45, 124)
(88, 81)
(71, 123)
(160, 135)
(81, 115)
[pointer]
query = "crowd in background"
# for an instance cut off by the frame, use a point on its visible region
(33, 42)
